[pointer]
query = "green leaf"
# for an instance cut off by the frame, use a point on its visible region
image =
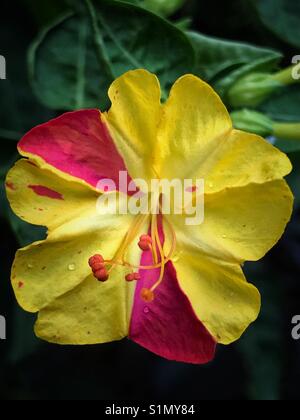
(252, 121)
(224, 62)
(161, 7)
(73, 62)
(282, 17)
(284, 106)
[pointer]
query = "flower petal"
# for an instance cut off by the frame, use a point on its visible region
(42, 198)
(78, 145)
(92, 313)
(49, 269)
(219, 294)
(194, 123)
(241, 159)
(241, 224)
(133, 119)
(168, 326)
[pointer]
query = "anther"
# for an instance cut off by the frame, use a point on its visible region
(98, 267)
(96, 259)
(132, 276)
(145, 242)
(147, 295)
(101, 275)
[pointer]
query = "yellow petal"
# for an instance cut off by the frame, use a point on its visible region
(133, 119)
(241, 159)
(92, 312)
(89, 314)
(220, 296)
(240, 224)
(40, 197)
(46, 270)
(193, 124)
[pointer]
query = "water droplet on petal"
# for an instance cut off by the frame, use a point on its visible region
(29, 266)
(210, 185)
(224, 236)
(72, 267)
(146, 310)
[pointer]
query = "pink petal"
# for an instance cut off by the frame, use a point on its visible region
(77, 143)
(169, 326)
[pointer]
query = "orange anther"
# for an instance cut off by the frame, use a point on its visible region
(146, 238)
(145, 242)
(130, 277)
(98, 266)
(147, 295)
(101, 275)
(96, 259)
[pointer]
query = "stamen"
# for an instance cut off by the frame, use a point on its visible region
(96, 259)
(147, 295)
(132, 277)
(145, 243)
(97, 265)
(101, 275)
(130, 236)
(154, 249)
(102, 268)
(129, 277)
(163, 261)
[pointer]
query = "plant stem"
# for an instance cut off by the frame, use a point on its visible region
(99, 43)
(287, 131)
(286, 76)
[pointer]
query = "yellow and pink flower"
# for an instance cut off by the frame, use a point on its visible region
(175, 289)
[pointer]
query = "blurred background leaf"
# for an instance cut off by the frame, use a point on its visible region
(161, 7)
(222, 62)
(282, 17)
(285, 106)
(79, 77)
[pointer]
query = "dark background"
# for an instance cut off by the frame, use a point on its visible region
(264, 364)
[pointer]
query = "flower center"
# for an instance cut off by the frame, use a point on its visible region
(151, 242)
